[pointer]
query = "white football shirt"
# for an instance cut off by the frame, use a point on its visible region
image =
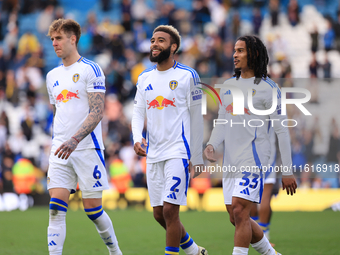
(166, 97)
(246, 142)
(67, 88)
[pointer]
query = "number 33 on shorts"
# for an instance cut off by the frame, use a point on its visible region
(251, 186)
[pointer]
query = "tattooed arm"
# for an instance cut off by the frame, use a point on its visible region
(96, 103)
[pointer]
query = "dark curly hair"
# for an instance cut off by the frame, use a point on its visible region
(257, 57)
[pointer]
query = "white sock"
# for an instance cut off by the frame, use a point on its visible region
(188, 245)
(105, 229)
(240, 251)
(263, 247)
(192, 250)
(56, 232)
(267, 234)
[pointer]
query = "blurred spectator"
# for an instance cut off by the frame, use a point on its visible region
(29, 77)
(6, 174)
(98, 42)
(3, 69)
(4, 131)
(280, 48)
(218, 13)
(118, 128)
(45, 19)
(24, 177)
(10, 5)
(235, 26)
(45, 3)
(308, 137)
(134, 165)
(12, 89)
(329, 36)
(336, 28)
(226, 64)
(139, 10)
(126, 15)
(274, 12)
(106, 28)
(29, 6)
(330, 178)
(313, 67)
(326, 67)
(116, 46)
(106, 5)
(136, 70)
(200, 15)
(315, 39)
(59, 12)
(10, 43)
(298, 155)
(1, 27)
(91, 23)
(293, 12)
(257, 21)
(119, 173)
(28, 43)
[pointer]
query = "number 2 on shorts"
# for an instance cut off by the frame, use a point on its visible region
(178, 182)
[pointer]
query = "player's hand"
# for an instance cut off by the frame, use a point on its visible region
(139, 149)
(289, 183)
(196, 169)
(209, 153)
(65, 150)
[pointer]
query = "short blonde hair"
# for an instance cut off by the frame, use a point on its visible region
(68, 26)
(173, 32)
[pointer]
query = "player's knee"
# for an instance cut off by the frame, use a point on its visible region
(239, 213)
(94, 213)
(158, 215)
(56, 206)
(170, 213)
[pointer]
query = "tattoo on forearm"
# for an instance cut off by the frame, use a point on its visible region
(96, 103)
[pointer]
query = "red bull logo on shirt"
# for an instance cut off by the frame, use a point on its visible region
(230, 109)
(65, 96)
(160, 102)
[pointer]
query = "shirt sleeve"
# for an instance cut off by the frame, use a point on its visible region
(138, 114)
(281, 131)
(49, 89)
(95, 79)
(194, 101)
(139, 97)
(194, 95)
(196, 134)
(137, 124)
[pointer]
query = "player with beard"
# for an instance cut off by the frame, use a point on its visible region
(167, 95)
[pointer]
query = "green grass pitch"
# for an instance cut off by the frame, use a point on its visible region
(295, 233)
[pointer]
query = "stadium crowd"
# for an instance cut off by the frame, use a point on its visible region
(120, 45)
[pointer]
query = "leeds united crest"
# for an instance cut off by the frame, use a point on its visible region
(75, 77)
(173, 84)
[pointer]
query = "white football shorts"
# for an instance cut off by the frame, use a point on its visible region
(246, 185)
(168, 181)
(269, 177)
(87, 167)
